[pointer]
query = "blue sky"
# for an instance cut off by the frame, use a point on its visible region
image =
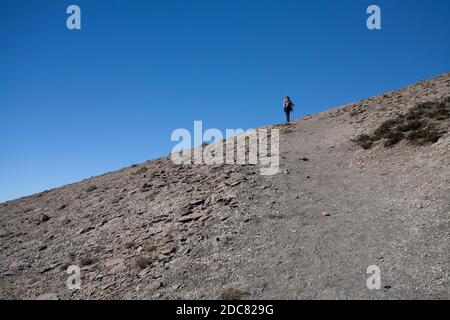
(75, 104)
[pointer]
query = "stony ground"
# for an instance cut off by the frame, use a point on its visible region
(163, 231)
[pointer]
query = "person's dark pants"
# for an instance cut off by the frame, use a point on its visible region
(288, 113)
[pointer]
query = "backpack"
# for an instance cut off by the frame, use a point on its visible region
(288, 104)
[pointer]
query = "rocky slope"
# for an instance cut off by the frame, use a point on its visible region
(160, 231)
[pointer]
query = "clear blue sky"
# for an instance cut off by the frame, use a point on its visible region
(75, 104)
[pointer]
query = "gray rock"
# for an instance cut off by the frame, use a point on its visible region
(47, 296)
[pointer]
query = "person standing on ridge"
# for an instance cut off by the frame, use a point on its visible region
(288, 107)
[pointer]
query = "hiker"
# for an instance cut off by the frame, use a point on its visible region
(288, 107)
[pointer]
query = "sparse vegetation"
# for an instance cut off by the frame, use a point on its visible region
(411, 125)
(393, 137)
(233, 293)
(384, 129)
(419, 126)
(364, 141)
(141, 170)
(428, 134)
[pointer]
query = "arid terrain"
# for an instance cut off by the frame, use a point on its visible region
(351, 192)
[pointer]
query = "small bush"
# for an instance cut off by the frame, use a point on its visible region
(411, 125)
(364, 141)
(413, 116)
(440, 112)
(425, 106)
(393, 138)
(384, 129)
(425, 135)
